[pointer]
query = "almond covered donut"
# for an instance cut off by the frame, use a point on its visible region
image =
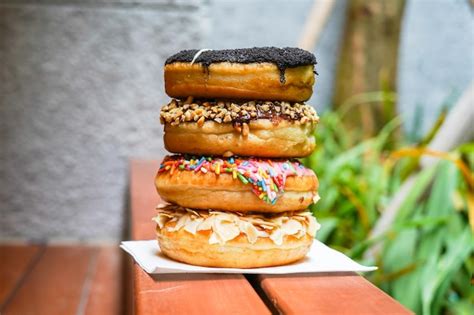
(235, 184)
(231, 240)
(245, 128)
(266, 73)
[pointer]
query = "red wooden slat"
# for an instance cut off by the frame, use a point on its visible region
(341, 293)
(143, 199)
(106, 290)
(183, 293)
(15, 261)
(55, 284)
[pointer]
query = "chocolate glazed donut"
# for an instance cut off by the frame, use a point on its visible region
(268, 73)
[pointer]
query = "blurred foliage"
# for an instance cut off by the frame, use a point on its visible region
(426, 256)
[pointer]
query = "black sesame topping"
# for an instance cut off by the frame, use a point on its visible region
(283, 58)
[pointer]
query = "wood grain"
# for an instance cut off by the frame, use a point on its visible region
(334, 293)
(105, 296)
(15, 261)
(55, 284)
(180, 293)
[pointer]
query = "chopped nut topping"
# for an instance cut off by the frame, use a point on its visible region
(187, 116)
(234, 112)
(227, 118)
(235, 108)
(200, 122)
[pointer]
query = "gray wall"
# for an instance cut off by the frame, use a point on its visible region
(248, 23)
(81, 87)
(436, 58)
(80, 92)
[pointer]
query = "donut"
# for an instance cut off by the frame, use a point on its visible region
(235, 184)
(266, 73)
(248, 128)
(230, 240)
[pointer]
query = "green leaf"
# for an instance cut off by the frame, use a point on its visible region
(466, 148)
(400, 253)
(460, 308)
(445, 269)
(357, 180)
(419, 187)
(327, 227)
(444, 186)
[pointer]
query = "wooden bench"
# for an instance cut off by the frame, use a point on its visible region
(341, 293)
(41, 279)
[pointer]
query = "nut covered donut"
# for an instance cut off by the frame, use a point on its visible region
(223, 239)
(245, 128)
(236, 185)
(266, 73)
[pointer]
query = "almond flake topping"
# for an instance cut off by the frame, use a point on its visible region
(226, 226)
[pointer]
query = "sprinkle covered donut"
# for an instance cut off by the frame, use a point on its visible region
(235, 184)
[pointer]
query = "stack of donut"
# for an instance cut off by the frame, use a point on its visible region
(236, 195)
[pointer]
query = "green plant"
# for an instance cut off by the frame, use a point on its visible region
(426, 262)
(426, 257)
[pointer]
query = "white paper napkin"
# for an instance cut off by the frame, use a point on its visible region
(320, 258)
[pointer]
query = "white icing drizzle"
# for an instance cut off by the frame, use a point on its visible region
(196, 56)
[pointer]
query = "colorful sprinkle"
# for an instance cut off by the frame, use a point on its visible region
(242, 179)
(267, 177)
